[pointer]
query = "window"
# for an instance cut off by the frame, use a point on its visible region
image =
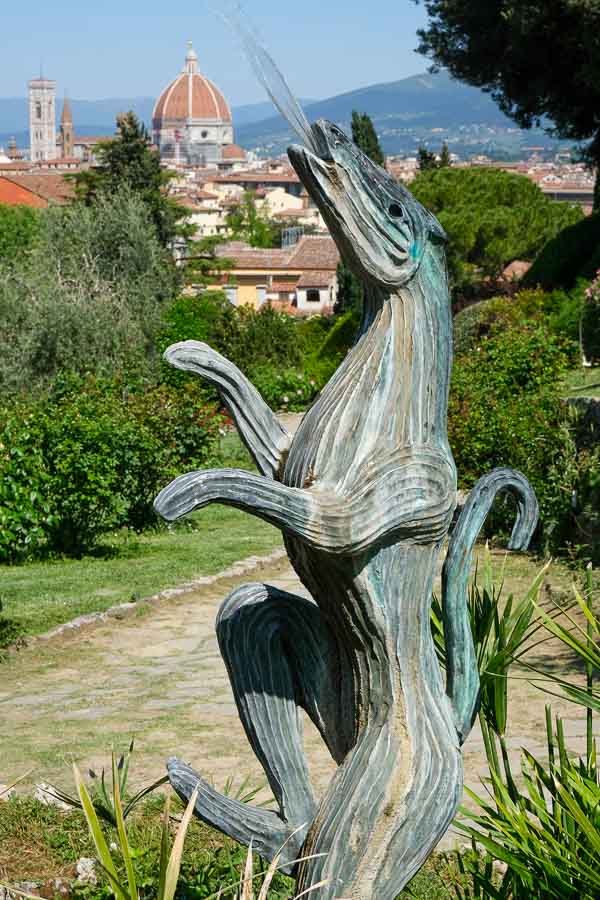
(313, 296)
(205, 134)
(38, 110)
(231, 294)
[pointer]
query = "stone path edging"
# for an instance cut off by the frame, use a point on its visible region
(238, 570)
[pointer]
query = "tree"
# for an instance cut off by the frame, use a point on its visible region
(492, 217)
(246, 222)
(365, 137)
(350, 289)
(427, 159)
(19, 228)
(538, 60)
(129, 161)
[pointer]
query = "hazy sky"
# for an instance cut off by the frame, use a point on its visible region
(133, 48)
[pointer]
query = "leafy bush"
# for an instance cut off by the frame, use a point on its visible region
(26, 513)
(100, 456)
(505, 410)
(250, 338)
(88, 298)
(19, 229)
(288, 390)
(590, 321)
(572, 254)
(491, 217)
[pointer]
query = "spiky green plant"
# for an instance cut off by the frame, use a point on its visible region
(536, 834)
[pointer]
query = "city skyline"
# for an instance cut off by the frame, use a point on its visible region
(71, 46)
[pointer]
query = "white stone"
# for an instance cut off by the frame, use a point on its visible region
(86, 871)
(44, 794)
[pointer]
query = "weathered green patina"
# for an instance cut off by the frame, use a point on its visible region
(365, 495)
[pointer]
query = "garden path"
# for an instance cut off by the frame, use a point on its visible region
(158, 676)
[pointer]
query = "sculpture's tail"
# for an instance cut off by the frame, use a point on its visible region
(461, 663)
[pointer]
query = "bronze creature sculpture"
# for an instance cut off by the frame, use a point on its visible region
(364, 496)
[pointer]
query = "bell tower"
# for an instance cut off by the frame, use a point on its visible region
(42, 119)
(66, 130)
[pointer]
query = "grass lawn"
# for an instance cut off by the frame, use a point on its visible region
(582, 382)
(39, 596)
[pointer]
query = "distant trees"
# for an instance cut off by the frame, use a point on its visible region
(538, 60)
(129, 162)
(492, 217)
(427, 159)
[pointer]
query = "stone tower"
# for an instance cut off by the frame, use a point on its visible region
(42, 119)
(66, 130)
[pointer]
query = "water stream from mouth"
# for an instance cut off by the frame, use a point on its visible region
(267, 72)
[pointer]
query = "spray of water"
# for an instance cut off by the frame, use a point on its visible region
(267, 72)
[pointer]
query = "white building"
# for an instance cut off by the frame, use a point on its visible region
(42, 119)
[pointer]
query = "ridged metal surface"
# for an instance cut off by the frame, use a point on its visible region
(364, 495)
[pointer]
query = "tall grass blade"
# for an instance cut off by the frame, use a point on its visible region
(174, 865)
(96, 833)
(121, 831)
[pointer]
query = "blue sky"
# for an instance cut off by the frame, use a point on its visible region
(133, 48)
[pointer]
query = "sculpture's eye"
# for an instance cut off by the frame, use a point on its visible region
(396, 211)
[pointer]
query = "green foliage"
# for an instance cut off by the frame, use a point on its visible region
(559, 311)
(497, 46)
(101, 455)
(129, 162)
(505, 410)
(19, 228)
(545, 834)
(572, 254)
(246, 223)
(255, 340)
(428, 160)
(88, 298)
(350, 291)
(491, 218)
(590, 321)
(365, 137)
(288, 390)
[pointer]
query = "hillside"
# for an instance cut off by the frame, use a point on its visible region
(423, 109)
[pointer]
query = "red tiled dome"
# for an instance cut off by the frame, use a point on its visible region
(191, 96)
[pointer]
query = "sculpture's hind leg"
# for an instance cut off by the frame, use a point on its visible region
(280, 655)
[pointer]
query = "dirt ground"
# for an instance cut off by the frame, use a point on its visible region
(158, 676)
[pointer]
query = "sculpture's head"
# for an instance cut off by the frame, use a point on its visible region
(379, 227)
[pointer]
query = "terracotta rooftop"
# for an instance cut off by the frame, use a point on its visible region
(49, 188)
(191, 96)
(316, 278)
(258, 178)
(312, 252)
(232, 151)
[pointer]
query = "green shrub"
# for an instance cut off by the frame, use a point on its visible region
(590, 321)
(19, 230)
(287, 390)
(250, 338)
(102, 453)
(26, 514)
(572, 254)
(87, 298)
(505, 410)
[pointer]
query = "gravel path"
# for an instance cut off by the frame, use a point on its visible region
(158, 675)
